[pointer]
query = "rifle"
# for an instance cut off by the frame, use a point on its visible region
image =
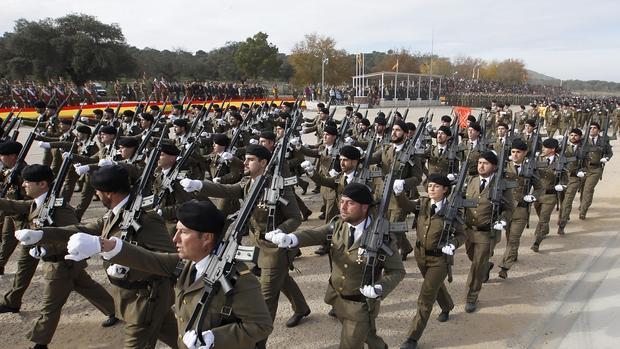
(53, 197)
(6, 131)
(342, 132)
(189, 104)
(203, 113)
(606, 145)
(90, 142)
(454, 147)
(404, 115)
(496, 195)
(560, 166)
(6, 121)
(365, 174)
(453, 216)
(118, 108)
(19, 163)
(132, 211)
(376, 237)
(76, 118)
(528, 171)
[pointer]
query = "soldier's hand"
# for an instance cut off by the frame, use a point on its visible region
(295, 141)
(117, 271)
(348, 140)
(83, 119)
(205, 134)
(82, 246)
(452, 176)
(448, 249)
(399, 186)
(333, 173)
(37, 252)
(254, 141)
(499, 225)
(46, 145)
(190, 339)
(191, 185)
(559, 187)
(255, 131)
(217, 180)
(581, 174)
(222, 122)
(529, 198)
(281, 239)
(370, 291)
(28, 236)
(81, 169)
(604, 160)
(226, 156)
(105, 162)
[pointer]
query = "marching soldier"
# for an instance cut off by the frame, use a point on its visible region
(576, 173)
(599, 153)
(248, 322)
(61, 277)
(224, 168)
(521, 116)
(472, 147)
(356, 308)
(142, 299)
(552, 120)
(437, 155)
(273, 262)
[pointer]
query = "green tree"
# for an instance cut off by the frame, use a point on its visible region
(307, 57)
(256, 57)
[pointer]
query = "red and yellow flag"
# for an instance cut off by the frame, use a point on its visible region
(462, 113)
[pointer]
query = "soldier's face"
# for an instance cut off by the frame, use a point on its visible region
(179, 130)
(472, 133)
(501, 131)
(347, 165)
(548, 151)
(8, 160)
(218, 148)
(352, 211)
(106, 139)
(442, 138)
(253, 166)
(166, 161)
(35, 189)
(574, 138)
(82, 136)
(191, 244)
(594, 131)
(64, 127)
(529, 128)
(398, 135)
(328, 139)
(105, 198)
(436, 191)
(267, 143)
(485, 168)
(145, 123)
(518, 155)
(380, 128)
(126, 153)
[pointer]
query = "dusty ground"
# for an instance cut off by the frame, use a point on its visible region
(535, 307)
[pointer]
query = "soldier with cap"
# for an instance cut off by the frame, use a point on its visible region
(521, 116)
(481, 231)
(224, 168)
(437, 154)
(273, 262)
(60, 276)
(552, 120)
(599, 153)
(530, 128)
(9, 151)
(142, 299)
(355, 307)
(472, 147)
(248, 322)
(576, 173)
(431, 251)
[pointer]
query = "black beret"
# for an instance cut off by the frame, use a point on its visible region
(398, 114)
(268, 135)
(289, 104)
(381, 114)
(402, 125)
(359, 193)
(439, 178)
(350, 152)
(358, 115)
(411, 126)
(84, 129)
(530, 122)
(180, 122)
(259, 151)
(109, 110)
(596, 124)
(98, 112)
(284, 115)
(37, 173)
(349, 108)
(232, 108)
(217, 110)
(551, 143)
(577, 131)
(446, 130)
(476, 126)
(221, 139)
(320, 105)
(147, 117)
(331, 123)
(66, 121)
(10, 147)
(489, 156)
(155, 107)
(237, 116)
(129, 142)
(331, 130)
(502, 124)
(128, 113)
(324, 111)
(446, 118)
(109, 130)
(380, 120)
(471, 118)
(110, 179)
(201, 216)
(40, 104)
(519, 144)
(170, 149)
(365, 122)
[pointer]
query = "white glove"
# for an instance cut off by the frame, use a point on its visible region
(280, 238)
(559, 187)
(348, 140)
(46, 145)
(105, 162)
(187, 145)
(305, 164)
(190, 339)
(604, 160)
(333, 173)
(529, 198)
(226, 156)
(81, 169)
(295, 141)
(28, 236)
(37, 253)
(160, 212)
(581, 174)
(65, 154)
(222, 122)
(190, 185)
(117, 271)
(255, 131)
(429, 127)
(452, 176)
(448, 249)
(217, 180)
(499, 225)
(370, 291)
(399, 186)
(205, 134)
(254, 141)
(143, 137)
(82, 246)
(83, 119)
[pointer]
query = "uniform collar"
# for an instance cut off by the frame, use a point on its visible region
(120, 206)
(40, 199)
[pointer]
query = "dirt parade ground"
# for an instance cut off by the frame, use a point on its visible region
(564, 296)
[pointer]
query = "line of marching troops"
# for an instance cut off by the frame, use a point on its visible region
(199, 163)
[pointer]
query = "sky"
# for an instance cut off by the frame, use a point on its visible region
(566, 39)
